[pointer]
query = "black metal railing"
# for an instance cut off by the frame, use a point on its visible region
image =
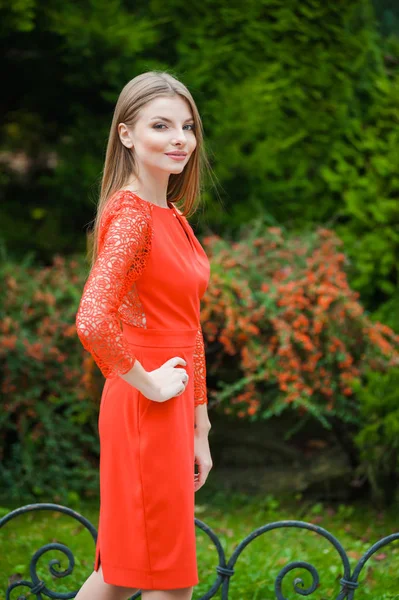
(224, 570)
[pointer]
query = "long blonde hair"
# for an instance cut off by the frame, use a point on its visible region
(119, 165)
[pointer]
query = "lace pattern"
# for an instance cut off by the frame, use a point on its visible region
(110, 295)
(125, 239)
(200, 392)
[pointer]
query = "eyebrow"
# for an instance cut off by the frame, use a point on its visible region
(168, 120)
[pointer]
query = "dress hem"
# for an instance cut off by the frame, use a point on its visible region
(136, 578)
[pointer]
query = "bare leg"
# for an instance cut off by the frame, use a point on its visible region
(177, 594)
(95, 588)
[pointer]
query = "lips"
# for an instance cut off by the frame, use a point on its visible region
(176, 153)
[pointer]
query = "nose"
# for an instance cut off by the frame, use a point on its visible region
(180, 138)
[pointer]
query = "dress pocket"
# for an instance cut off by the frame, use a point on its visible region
(144, 405)
(102, 409)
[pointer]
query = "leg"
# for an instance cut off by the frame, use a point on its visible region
(176, 594)
(95, 588)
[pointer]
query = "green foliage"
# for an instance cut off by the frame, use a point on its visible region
(17, 16)
(286, 332)
(283, 331)
(387, 12)
(299, 103)
(366, 170)
(378, 436)
(49, 399)
(388, 312)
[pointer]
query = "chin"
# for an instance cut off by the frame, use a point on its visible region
(178, 169)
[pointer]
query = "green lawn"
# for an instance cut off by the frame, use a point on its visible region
(232, 517)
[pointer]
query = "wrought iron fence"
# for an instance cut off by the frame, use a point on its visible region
(224, 570)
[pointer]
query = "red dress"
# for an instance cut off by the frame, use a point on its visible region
(142, 301)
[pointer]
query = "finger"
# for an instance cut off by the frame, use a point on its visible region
(175, 360)
(183, 377)
(178, 360)
(201, 473)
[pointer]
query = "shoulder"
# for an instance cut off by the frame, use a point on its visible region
(125, 205)
(125, 201)
(127, 217)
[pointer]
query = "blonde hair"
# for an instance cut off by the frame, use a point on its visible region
(119, 165)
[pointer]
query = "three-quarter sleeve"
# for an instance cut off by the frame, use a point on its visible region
(200, 392)
(124, 246)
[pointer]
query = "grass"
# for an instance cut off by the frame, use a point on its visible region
(232, 517)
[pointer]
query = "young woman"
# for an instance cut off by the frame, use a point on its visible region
(139, 318)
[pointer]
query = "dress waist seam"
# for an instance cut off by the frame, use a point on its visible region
(153, 338)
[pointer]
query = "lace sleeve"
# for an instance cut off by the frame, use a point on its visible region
(124, 246)
(200, 392)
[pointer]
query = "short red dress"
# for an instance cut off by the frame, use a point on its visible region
(142, 301)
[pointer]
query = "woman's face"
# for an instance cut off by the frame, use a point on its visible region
(164, 125)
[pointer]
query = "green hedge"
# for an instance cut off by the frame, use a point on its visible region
(283, 332)
(299, 103)
(48, 429)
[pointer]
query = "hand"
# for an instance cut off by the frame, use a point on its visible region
(202, 458)
(167, 381)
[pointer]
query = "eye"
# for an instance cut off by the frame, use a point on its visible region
(159, 125)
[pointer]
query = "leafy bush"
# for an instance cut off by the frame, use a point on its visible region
(47, 417)
(378, 437)
(363, 171)
(285, 330)
(299, 103)
(388, 312)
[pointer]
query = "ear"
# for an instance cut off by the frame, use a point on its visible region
(124, 135)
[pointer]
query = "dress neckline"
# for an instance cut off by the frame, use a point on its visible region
(170, 208)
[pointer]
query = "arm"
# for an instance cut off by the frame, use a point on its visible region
(202, 453)
(124, 246)
(202, 423)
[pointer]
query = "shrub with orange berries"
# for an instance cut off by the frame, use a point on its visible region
(284, 329)
(48, 416)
